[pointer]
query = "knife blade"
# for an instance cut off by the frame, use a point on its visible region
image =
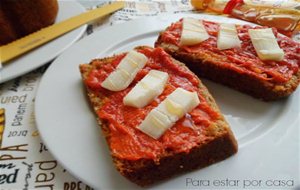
(36, 39)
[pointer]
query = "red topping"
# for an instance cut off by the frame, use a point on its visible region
(244, 60)
(128, 142)
(230, 6)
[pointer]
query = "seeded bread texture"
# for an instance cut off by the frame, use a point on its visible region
(220, 145)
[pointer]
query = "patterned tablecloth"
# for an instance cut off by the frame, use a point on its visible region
(25, 162)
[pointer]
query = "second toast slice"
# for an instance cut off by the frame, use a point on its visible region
(240, 67)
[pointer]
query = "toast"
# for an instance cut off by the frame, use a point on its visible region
(201, 138)
(238, 68)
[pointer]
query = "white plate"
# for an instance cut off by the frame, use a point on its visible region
(267, 132)
(49, 51)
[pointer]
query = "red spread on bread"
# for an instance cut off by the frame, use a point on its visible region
(125, 140)
(244, 60)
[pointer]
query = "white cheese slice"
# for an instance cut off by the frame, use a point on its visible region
(178, 103)
(265, 44)
(188, 100)
(116, 81)
(193, 32)
(125, 72)
(155, 124)
(132, 61)
(168, 112)
(227, 37)
(147, 89)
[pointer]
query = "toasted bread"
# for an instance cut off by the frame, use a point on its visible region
(238, 68)
(214, 142)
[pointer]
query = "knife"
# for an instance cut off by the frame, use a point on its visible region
(36, 39)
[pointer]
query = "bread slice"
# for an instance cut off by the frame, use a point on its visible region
(213, 141)
(20, 18)
(240, 69)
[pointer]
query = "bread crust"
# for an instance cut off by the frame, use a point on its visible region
(211, 69)
(143, 172)
(22, 17)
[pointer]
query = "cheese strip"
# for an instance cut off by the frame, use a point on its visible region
(227, 37)
(125, 72)
(265, 44)
(165, 115)
(147, 89)
(193, 32)
(155, 124)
